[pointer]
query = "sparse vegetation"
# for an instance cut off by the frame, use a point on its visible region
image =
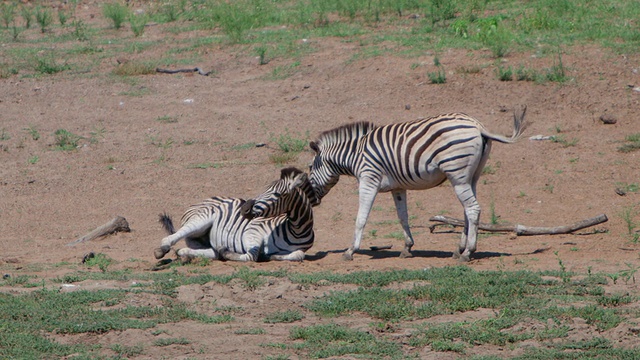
(138, 23)
(65, 140)
(504, 73)
(632, 143)
(116, 12)
(44, 18)
(437, 77)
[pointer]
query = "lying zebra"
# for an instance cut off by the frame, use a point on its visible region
(276, 225)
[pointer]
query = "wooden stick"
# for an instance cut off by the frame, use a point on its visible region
(116, 224)
(190, 70)
(522, 230)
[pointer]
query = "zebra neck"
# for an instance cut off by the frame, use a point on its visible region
(300, 217)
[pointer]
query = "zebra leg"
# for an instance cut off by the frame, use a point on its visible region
(400, 199)
(250, 255)
(194, 228)
(367, 197)
(467, 197)
(188, 254)
(297, 255)
(463, 239)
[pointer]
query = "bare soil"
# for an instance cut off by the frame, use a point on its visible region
(126, 171)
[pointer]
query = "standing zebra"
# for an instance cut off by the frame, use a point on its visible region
(276, 225)
(415, 155)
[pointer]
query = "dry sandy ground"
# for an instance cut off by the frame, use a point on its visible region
(128, 172)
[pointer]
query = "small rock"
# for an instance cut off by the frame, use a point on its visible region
(608, 119)
(6, 276)
(407, 107)
(621, 191)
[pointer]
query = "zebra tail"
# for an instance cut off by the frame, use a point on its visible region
(519, 125)
(167, 223)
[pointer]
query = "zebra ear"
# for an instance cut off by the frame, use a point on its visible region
(245, 209)
(314, 146)
(299, 180)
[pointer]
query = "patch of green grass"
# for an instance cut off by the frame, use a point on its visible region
(34, 159)
(504, 73)
(116, 12)
(331, 340)
(166, 119)
(47, 65)
(33, 132)
(135, 68)
(562, 140)
(100, 260)
(437, 77)
(4, 135)
(245, 146)
(66, 140)
(138, 23)
(43, 17)
(171, 341)
(632, 143)
(26, 12)
(250, 331)
(125, 351)
(288, 316)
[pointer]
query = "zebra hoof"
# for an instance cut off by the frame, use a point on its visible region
(406, 254)
(464, 258)
(160, 252)
(347, 256)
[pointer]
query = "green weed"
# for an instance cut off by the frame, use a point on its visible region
(116, 12)
(288, 316)
(65, 140)
(47, 65)
(27, 15)
(138, 23)
(504, 73)
(44, 18)
(7, 13)
(437, 77)
(100, 260)
(632, 143)
(289, 143)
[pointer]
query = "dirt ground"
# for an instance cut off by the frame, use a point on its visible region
(140, 165)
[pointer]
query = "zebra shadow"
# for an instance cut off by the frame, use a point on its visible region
(377, 254)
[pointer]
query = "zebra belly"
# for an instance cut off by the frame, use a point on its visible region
(228, 232)
(427, 180)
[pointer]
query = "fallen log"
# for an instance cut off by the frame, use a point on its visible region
(189, 70)
(115, 225)
(522, 230)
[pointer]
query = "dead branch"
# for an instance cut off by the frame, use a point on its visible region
(115, 225)
(190, 70)
(522, 230)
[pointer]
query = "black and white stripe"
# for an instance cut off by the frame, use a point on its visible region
(415, 155)
(276, 225)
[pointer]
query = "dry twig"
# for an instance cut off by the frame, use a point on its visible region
(521, 230)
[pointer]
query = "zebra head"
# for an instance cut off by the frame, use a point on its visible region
(322, 175)
(281, 196)
(335, 155)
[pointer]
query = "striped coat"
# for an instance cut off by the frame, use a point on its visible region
(276, 225)
(414, 155)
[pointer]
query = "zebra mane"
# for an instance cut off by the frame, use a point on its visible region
(289, 172)
(345, 133)
(307, 189)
